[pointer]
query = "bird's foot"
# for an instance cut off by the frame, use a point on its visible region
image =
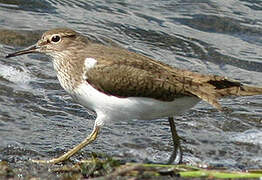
(40, 161)
(51, 161)
(71, 152)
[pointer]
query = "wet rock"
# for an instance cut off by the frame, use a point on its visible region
(19, 38)
(5, 170)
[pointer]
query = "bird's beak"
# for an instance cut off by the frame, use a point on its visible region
(31, 49)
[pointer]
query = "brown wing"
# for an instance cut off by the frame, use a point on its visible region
(128, 81)
(122, 73)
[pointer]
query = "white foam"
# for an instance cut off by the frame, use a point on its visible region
(21, 77)
(250, 136)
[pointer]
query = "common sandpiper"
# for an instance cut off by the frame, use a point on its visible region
(121, 85)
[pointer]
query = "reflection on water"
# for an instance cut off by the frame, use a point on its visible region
(38, 119)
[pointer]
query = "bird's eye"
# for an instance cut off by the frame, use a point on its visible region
(56, 38)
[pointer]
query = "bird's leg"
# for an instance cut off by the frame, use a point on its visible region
(71, 152)
(177, 151)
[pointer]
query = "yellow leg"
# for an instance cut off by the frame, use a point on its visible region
(177, 153)
(71, 152)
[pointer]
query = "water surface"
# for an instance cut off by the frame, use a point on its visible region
(39, 120)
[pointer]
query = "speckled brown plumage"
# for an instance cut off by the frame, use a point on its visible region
(122, 73)
(133, 86)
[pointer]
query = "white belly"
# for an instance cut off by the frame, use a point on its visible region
(114, 108)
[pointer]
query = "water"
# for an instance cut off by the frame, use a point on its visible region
(38, 119)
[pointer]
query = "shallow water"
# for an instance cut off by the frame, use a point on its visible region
(39, 120)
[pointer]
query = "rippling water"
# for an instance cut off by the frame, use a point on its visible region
(38, 119)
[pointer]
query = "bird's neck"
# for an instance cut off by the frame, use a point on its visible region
(69, 71)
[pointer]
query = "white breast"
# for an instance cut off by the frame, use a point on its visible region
(114, 108)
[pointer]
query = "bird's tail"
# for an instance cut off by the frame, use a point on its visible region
(211, 88)
(241, 90)
(224, 87)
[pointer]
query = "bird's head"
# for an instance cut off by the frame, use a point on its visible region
(53, 43)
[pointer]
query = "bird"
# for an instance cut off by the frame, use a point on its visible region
(119, 84)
